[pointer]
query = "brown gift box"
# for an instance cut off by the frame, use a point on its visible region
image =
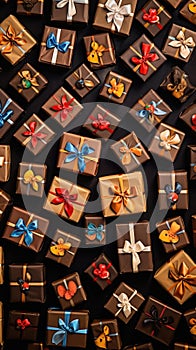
(193, 162)
(33, 7)
(1, 324)
(180, 346)
(124, 184)
(5, 161)
(63, 13)
(190, 317)
(4, 202)
(53, 55)
(17, 51)
(15, 332)
(95, 230)
(194, 228)
(100, 328)
(188, 11)
(138, 235)
(31, 179)
(1, 267)
(174, 3)
(147, 346)
(117, 80)
(189, 116)
(71, 189)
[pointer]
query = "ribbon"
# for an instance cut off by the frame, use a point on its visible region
(28, 81)
(60, 247)
(102, 271)
(172, 234)
(104, 338)
(115, 88)
(68, 290)
(22, 324)
(173, 193)
(63, 107)
(192, 7)
(184, 46)
(5, 113)
(152, 17)
(129, 153)
(178, 84)
(158, 321)
(122, 197)
(192, 323)
(100, 123)
(33, 135)
(150, 111)
(95, 56)
(168, 141)
(9, 39)
(80, 155)
(53, 42)
(193, 165)
(117, 13)
(27, 231)
(63, 196)
(82, 82)
(71, 11)
(183, 279)
(124, 304)
(193, 122)
(95, 232)
(31, 180)
(144, 61)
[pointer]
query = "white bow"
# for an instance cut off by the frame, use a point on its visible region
(182, 43)
(71, 6)
(167, 141)
(117, 13)
(124, 303)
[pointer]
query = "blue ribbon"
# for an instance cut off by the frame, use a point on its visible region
(66, 327)
(5, 115)
(93, 229)
(69, 147)
(21, 229)
(143, 113)
(51, 43)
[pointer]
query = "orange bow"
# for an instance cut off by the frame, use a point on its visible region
(10, 39)
(115, 88)
(122, 197)
(128, 152)
(171, 235)
(183, 279)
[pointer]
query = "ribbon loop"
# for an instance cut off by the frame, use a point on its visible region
(122, 198)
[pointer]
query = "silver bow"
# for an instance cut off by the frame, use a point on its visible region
(124, 303)
(117, 13)
(185, 45)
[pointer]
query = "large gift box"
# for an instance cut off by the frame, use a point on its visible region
(9, 114)
(5, 162)
(70, 11)
(106, 334)
(22, 325)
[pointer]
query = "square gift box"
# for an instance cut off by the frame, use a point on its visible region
(189, 115)
(23, 325)
(115, 88)
(5, 162)
(4, 202)
(189, 11)
(106, 334)
(70, 12)
(31, 179)
(33, 7)
(192, 150)
(95, 232)
(194, 229)
(190, 317)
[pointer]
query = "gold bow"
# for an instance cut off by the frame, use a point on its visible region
(115, 88)
(182, 44)
(170, 236)
(103, 338)
(127, 152)
(168, 140)
(28, 81)
(183, 279)
(96, 54)
(60, 248)
(10, 39)
(178, 89)
(122, 197)
(192, 323)
(32, 179)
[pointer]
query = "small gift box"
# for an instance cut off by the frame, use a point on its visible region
(147, 346)
(26, 229)
(122, 194)
(66, 199)
(79, 154)
(4, 202)
(180, 43)
(28, 82)
(66, 11)
(172, 234)
(192, 162)
(100, 50)
(174, 3)
(106, 334)
(27, 283)
(178, 84)
(63, 248)
(194, 228)
(57, 46)
(15, 40)
(31, 7)
(82, 80)
(9, 113)
(124, 302)
(167, 142)
(69, 291)
(57, 324)
(5, 161)
(189, 11)
(179, 346)
(173, 190)
(62, 107)
(31, 179)
(190, 317)
(1, 325)
(34, 134)
(178, 276)
(23, 325)
(115, 16)
(158, 321)
(189, 116)
(134, 247)
(95, 232)
(36, 346)
(153, 17)
(143, 57)
(1, 273)
(130, 152)
(102, 271)
(115, 88)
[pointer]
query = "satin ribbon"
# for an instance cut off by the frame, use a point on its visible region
(145, 58)
(183, 279)
(22, 324)
(79, 154)
(124, 304)
(150, 111)
(178, 84)
(6, 114)
(100, 123)
(104, 337)
(184, 46)
(71, 11)
(95, 56)
(97, 231)
(34, 135)
(102, 271)
(9, 39)
(116, 88)
(21, 229)
(193, 122)
(63, 108)
(60, 247)
(152, 17)
(158, 321)
(192, 323)
(192, 7)
(85, 82)
(31, 180)
(28, 81)
(117, 13)
(173, 191)
(53, 42)
(122, 197)
(171, 235)
(129, 153)
(63, 196)
(168, 141)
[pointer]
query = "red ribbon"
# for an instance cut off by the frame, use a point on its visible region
(63, 106)
(152, 17)
(34, 136)
(63, 196)
(100, 123)
(146, 56)
(101, 271)
(193, 121)
(22, 324)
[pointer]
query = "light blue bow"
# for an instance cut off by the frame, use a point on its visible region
(93, 229)
(21, 229)
(78, 155)
(51, 43)
(144, 113)
(5, 115)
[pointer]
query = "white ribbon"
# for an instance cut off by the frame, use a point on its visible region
(167, 141)
(124, 303)
(117, 13)
(185, 45)
(55, 51)
(71, 7)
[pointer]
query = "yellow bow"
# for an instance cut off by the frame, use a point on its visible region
(32, 179)
(192, 323)
(96, 53)
(59, 248)
(103, 338)
(170, 236)
(183, 45)
(115, 88)
(168, 141)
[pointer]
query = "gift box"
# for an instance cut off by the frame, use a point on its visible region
(23, 325)
(130, 152)
(107, 19)
(5, 161)
(178, 84)
(66, 199)
(174, 3)
(150, 110)
(106, 334)
(115, 88)
(189, 116)
(9, 113)
(95, 232)
(124, 302)
(135, 259)
(27, 283)
(194, 228)
(15, 40)
(33, 7)
(190, 317)
(164, 330)
(167, 142)
(63, 248)
(147, 346)
(1, 325)
(69, 291)
(179, 346)
(192, 150)
(4, 202)
(173, 190)
(172, 234)
(180, 43)
(143, 57)
(122, 194)
(59, 321)
(31, 179)
(102, 271)
(62, 107)
(36, 346)
(26, 229)
(178, 276)
(153, 16)
(188, 11)
(64, 11)
(82, 80)
(1, 270)
(28, 82)
(34, 134)
(100, 50)
(57, 46)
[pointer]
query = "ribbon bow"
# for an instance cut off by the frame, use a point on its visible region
(102, 271)
(100, 123)
(60, 247)
(173, 194)
(79, 155)
(146, 57)
(172, 234)
(5, 113)
(71, 6)
(183, 279)
(178, 84)
(192, 323)
(64, 197)
(115, 88)
(193, 122)
(22, 324)
(184, 45)
(134, 249)
(27, 231)
(96, 53)
(192, 7)
(103, 338)
(24, 283)
(128, 153)
(82, 82)
(158, 321)
(117, 13)
(95, 231)
(29, 4)
(52, 43)
(168, 141)
(151, 111)
(10, 38)
(28, 81)
(151, 16)
(64, 107)
(122, 198)
(35, 136)
(31, 179)
(124, 303)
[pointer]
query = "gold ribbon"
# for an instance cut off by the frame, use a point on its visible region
(192, 323)
(95, 56)
(88, 84)
(122, 197)
(10, 39)
(103, 338)
(115, 88)
(172, 234)
(183, 279)
(26, 75)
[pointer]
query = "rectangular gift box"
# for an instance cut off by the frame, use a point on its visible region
(189, 115)
(27, 283)
(62, 54)
(1, 325)
(77, 338)
(4, 202)
(31, 179)
(189, 11)
(192, 150)
(35, 346)
(174, 3)
(5, 162)
(62, 107)
(78, 197)
(129, 235)
(15, 40)
(180, 346)
(23, 325)
(33, 7)
(95, 232)
(147, 346)
(64, 11)
(16, 229)
(194, 229)
(169, 317)
(106, 334)
(1, 269)
(115, 88)
(105, 18)
(113, 185)
(190, 317)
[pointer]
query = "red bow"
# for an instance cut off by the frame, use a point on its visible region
(64, 107)
(193, 121)
(152, 17)
(63, 196)
(100, 123)
(146, 57)
(101, 271)
(34, 136)
(22, 324)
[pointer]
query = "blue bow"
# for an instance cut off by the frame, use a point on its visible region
(5, 115)
(93, 229)
(144, 113)
(51, 43)
(21, 229)
(78, 154)
(65, 327)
